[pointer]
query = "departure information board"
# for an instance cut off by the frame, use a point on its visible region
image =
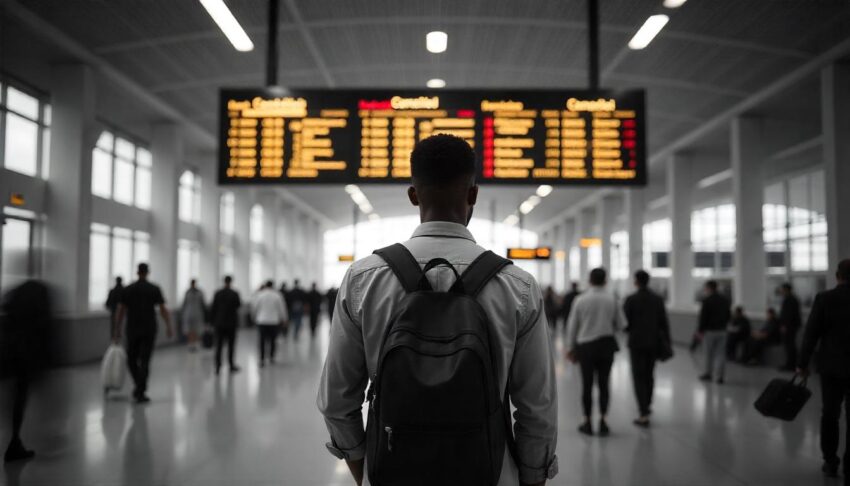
(571, 137)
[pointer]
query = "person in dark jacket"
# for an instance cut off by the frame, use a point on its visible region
(331, 296)
(314, 302)
(224, 316)
(25, 351)
(567, 304)
(790, 322)
(829, 326)
(737, 334)
(550, 306)
(113, 298)
(713, 319)
(649, 338)
(295, 304)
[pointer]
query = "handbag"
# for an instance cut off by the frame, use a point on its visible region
(783, 399)
(113, 370)
(664, 350)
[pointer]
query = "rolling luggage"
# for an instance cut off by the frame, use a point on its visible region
(113, 370)
(207, 338)
(783, 399)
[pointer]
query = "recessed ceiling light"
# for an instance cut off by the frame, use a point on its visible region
(674, 3)
(436, 83)
(228, 24)
(351, 189)
(436, 41)
(511, 220)
(526, 207)
(648, 31)
(544, 190)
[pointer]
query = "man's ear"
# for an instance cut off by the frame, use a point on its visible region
(472, 195)
(411, 194)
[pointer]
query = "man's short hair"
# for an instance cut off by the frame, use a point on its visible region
(787, 286)
(642, 278)
(442, 159)
(711, 285)
(269, 284)
(228, 279)
(143, 269)
(598, 276)
(843, 271)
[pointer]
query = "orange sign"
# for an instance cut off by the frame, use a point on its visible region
(542, 253)
(346, 258)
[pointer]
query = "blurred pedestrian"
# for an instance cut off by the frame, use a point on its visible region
(829, 326)
(314, 302)
(567, 304)
(761, 338)
(139, 301)
(714, 316)
(649, 341)
(26, 351)
(193, 314)
(737, 334)
(269, 311)
(297, 302)
(550, 306)
(331, 297)
(790, 322)
(594, 319)
(113, 297)
(224, 316)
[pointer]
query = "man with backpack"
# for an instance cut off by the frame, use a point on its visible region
(447, 333)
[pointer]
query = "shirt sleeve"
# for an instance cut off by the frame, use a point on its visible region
(158, 298)
(534, 394)
(344, 379)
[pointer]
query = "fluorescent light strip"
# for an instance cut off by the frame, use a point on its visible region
(359, 198)
(436, 83)
(715, 179)
(228, 24)
(674, 3)
(436, 41)
(648, 31)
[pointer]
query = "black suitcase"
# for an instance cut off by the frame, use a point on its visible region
(783, 399)
(207, 339)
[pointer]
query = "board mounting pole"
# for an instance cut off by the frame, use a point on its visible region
(593, 43)
(272, 50)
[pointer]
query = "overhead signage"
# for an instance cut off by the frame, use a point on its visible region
(569, 137)
(542, 253)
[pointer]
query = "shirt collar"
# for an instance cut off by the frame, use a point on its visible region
(443, 229)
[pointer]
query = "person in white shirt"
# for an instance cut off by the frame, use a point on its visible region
(269, 313)
(594, 319)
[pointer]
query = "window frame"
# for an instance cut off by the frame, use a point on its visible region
(42, 169)
(138, 144)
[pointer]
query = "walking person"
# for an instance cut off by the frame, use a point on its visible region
(567, 304)
(224, 316)
(590, 341)
(25, 352)
(269, 312)
(649, 341)
(829, 327)
(296, 303)
(314, 299)
(444, 190)
(193, 314)
(550, 304)
(139, 301)
(714, 316)
(790, 322)
(737, 335)
(113, 297)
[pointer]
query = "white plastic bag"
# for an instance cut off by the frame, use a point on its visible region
(114, 368)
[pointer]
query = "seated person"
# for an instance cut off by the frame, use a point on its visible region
(737, 333)
(768, 334)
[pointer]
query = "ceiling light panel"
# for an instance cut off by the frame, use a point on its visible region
(228, 24)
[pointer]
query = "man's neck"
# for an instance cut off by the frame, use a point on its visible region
(430, 216)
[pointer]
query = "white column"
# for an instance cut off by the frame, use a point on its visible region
(570, 235)
(270, 202)
(320, 258)
(242, 241)
(605, 209)
(68, 201)
(167, 151)
(835, 112)
(747, 151)
(679, 190)
(635, 202)
(210, 234)
(585, 222)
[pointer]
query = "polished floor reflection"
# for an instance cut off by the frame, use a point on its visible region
(260, 427)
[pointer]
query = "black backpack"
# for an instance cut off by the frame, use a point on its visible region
(436, 413)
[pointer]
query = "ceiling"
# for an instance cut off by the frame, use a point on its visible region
(711, 55)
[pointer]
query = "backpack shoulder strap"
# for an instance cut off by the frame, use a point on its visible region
(403, 265)
(480, 271)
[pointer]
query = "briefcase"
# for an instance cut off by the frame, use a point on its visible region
(783, 399)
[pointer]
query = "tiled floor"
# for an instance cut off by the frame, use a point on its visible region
(260, 427)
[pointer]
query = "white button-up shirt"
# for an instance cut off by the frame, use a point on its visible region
(594, 314)
(370, 294)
